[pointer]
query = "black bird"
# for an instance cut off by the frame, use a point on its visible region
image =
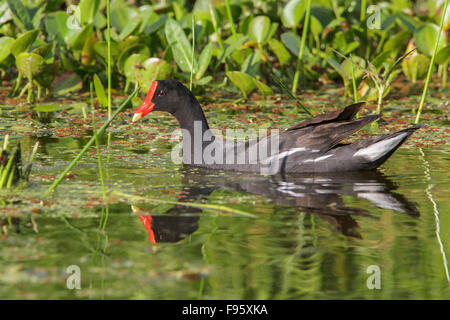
(313, 145)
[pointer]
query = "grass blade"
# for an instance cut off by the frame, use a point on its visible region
(83, 151)
(430, 67)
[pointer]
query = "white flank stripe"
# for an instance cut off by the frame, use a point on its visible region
(286, 153)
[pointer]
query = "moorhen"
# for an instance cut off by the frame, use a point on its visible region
(313, 145)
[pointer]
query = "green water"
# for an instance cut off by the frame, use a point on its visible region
(309, 237)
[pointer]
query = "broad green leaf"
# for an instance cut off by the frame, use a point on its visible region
(30, 64)
(132, 64)
(263, 88)
(415, 66)
(100, 91)
(280, 51)
(21, 12)
(181, 48)
(51, 107)
(129, 28)
(135, 48)
(315, 26)
(88, 9)
(43, 50)
(292, 42)
(252, 63)
(203, 81)
(407, 21)
(153, 69)
(243, 81)
(101, 50)
(67, 82)
(122, 15)
(5, 47)
(259, 29)
(425, 37)
(231, 48)
(82, 37)
(57, 25)
(88, 52)
(293, 12)
(442, 56)
(204, 60)
(24, 42)
(46, 77)
(358, 67)
(397, 41)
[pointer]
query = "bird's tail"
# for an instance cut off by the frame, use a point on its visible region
(378, 149)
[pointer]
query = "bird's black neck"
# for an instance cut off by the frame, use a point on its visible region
(195, 130)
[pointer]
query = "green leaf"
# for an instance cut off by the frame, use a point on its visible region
(24, 42)
(82, 37)
(56, 25)
(358, 67)
(88, 9)
(280, 51)
(21, 12)
(181, 48)
(415, 66)
(132, 64)
(292, 42)
(153, 69)
(230, 49)
(5, 47)
(243, 81)
(135, 48)
(43, 50)
(101, 50)
(51, 107)
(122, 15)
(425, 37)
(442, 56)
(292, 13)
(263, 88)
(100, 91)
(204, 60)
(66, 83)
(252, 63)
(30, 64)
(258, 29)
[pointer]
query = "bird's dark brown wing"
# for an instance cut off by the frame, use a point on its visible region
(322, 137)
(343, 114)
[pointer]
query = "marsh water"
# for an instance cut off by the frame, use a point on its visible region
(174, 232)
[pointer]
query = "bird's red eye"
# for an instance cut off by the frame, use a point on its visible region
(161, 93)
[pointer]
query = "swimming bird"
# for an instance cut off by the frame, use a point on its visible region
(313, 145)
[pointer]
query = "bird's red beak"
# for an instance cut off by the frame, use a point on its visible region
(147, 106)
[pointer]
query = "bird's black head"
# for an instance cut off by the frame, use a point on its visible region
(165, 95)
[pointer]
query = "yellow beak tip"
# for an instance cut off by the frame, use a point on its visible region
(136, 117)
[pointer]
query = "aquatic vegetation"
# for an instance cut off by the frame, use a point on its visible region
(206, 43)
(12, 172)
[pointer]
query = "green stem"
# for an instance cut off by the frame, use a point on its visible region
(216, 29)
(109, 57)
(444, 75)
(83, 151)
(193, 50)
(302, 47)
(355, 93)
(430, 67)
(230, 18)
(363, 10)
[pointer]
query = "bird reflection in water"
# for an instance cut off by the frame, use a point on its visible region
(320, 195)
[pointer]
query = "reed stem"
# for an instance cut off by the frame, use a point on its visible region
(302, 48)
(430, 67)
